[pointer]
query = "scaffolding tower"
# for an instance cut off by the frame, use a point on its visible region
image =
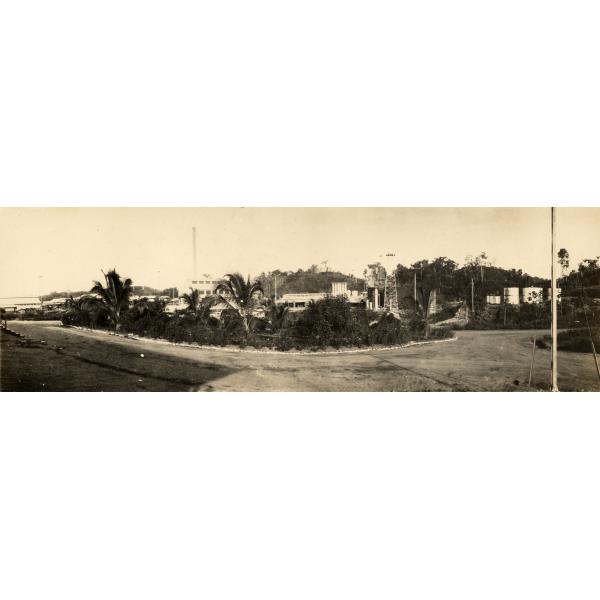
(391, 295)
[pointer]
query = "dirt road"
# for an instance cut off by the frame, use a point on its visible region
(54, 358)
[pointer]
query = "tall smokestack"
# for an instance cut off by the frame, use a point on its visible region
(194, 253)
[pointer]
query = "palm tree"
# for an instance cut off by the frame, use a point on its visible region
(277, 316)
(192, 300)
(240, 296)
(143, 307)
(114, 296)
(85, 310)
(200, 307)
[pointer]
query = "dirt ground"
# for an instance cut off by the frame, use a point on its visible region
(54, 358)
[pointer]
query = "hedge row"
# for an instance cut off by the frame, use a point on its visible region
(327, 323)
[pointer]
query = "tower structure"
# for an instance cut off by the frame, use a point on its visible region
(390, 293)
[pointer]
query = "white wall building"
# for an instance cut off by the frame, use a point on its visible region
(339, 288)
(205, 284)
(20, 303)
(296, 302)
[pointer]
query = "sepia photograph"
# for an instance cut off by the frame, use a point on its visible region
(300, 299)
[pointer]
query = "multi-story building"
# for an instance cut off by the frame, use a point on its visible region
(206, 285)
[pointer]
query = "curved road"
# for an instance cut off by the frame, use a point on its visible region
(55, 358)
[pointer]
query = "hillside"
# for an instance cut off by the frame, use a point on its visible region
(300, 281)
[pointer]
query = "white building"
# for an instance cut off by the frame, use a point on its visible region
(20, 303)
(296, 302)
(175, 304)
(55, 304)
(205, 284)
(339, 288)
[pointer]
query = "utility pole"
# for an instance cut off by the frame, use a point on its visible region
(195, 260)
(275, 288)
(554, 316)
(472, 296)
(532, 359)
(415, 286)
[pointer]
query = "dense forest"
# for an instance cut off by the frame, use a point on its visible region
(583, 280)
(477, 275)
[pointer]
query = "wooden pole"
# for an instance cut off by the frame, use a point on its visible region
(532, 360)
(472, 297)
(415, 287)
(554, 315)
(595, 355)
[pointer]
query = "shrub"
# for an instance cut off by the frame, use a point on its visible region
(327, 323)
(330, 322)
(524, 316)
(578, 340)
(389, 331)
(440, 333)
(33, 315)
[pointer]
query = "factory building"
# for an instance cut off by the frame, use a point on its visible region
(206, 285)
(55, 304)
(298, 302)
(20, 303)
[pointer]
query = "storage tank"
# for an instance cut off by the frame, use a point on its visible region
(548, 294)
(339, 288)
(433, 303)
(533, 295)
(494, 299)
(511, 295)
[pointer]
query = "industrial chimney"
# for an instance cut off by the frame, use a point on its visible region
(195, 274)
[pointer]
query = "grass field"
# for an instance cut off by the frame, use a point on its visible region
(54, 358)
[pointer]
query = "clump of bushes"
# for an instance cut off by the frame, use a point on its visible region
(578, 340)
(93, 318)
(33, 315)
(389, 331)
(440, 333)
(330, 322)
(524, 316)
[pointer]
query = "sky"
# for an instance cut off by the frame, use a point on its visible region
(59, 249)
